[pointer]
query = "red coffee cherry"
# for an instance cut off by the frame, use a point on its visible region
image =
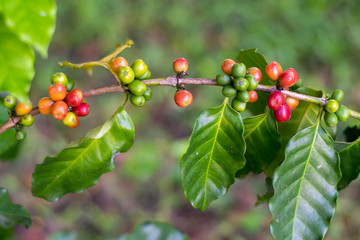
(273, 70)
(180, 65)
(82, 110)
(288, 78)
(276, 100)
(256, 73)
(183, 98)
(57, 91)
(227, 65)
(74, 98)
(118, 63)
(283, 114)
(253, 96)
(292, 102)
(59, 110)
(45, 105)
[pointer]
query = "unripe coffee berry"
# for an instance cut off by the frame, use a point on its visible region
(137, 101)
(253, 83)
(137, 87)
(223, 79)
(238, 70)
(147, 95)
(59, 77)
(243, 96)
(126, 75)
(241, 84)
(69, 119)
(9, 102)
(139, 67)
(27, 120)
(337, 95)
(118, 63)
(228, 91)
(332, 106)
(343, 113)
(238, 105)
(330, 119)
(20, 135)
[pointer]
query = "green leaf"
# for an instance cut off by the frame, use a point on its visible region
(263, 142)
(305, 186)
(16, 64)
(7, 139)
(155, 231)
(352, 133)
(349, 161)
(32, 21)
(216, 151)
(11, 214)
(80, 164)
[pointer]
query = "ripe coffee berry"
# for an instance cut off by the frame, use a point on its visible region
(253, 96)
(139, 67)
(23, 108)
(9, 102)
(256, 73)
(283, 114)
(118, 63)
(180, 65)
(273, 70)
(126, 75)
(82, 110)
(27, 120)
(183, 98)
(59, 77)
(223, 79)
(292, 102)
(228, 91)
(275, 100)
(238, 70)
(74, 98)
(288, 78)
(59, 110)
(332, 106)
(227, 65)
(45, 105)
(57, 91)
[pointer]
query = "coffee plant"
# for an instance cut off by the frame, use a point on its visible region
(290, 136)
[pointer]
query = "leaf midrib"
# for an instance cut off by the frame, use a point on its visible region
(257, 125)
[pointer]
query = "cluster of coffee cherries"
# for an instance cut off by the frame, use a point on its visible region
(182, 97)
(335, 112)
(22, 109)
(64, 102)
(131, 76)
(277, 101)
(239, 82)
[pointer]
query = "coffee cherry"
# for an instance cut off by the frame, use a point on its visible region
(69, 119)
(82, 110)
(275, 100)
(332, 106)
(238, 105)
(126, 75)
(139, 67)
(253, 96)
(27, 120)
(59, 110)
(343, 113)
(118, 63)
(20, 135)
(9, 102)
(23, 108)
(147, 95)
(146, 75)
(57, 91)
(180, 65)
(74, 98)
(183, 98)
(297, 85)
(241, 84)
(273, 70)
(59, 77)
(330, 119)
(228, 91)
(292, 102)
(137, 87)
(288, 78)
(223, 79)
(137, 101)
(243, 96)
(238, 70)
(337, 95)
(45, 105)
(256, 73)
(227, 65)
(70, 84)
(253, 83)
(76, 123)
(283, 114)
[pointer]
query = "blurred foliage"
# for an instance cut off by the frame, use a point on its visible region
(320, 39)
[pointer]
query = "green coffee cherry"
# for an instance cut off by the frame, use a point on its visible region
(332, 106)
(137, 87)
(9, 102)
(137, 101)
(237, 105)
(27, 120)
(147, 95)
(20, 135)
(253, 83)
(70, 84)
(228, 91)
(238, 70)
(343, 113)
(243, 96)
(241, 84)
(59, 77)
(223, 79)
(330, 119)
(337, 95)
(145, 76)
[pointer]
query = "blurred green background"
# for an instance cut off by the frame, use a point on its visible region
(320, 39)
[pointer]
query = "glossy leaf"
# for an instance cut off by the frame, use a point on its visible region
(11, 214)
(16, 63)
(349, 161)
(7, 139)
(305, 186)
(262, 142)
(216, 151)
(80, 164)
(32, 21)
(251, 58)
(155, 231)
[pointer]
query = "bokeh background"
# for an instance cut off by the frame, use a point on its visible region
(320, 39)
